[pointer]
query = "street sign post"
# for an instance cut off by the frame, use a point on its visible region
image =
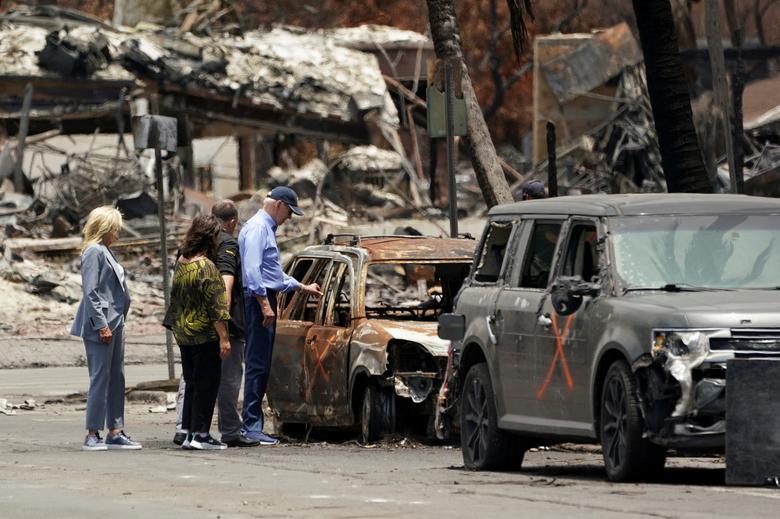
(159, 132)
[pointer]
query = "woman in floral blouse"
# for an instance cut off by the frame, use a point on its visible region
(198, 317)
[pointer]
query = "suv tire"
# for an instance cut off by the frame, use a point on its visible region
(627, 456)
(483, 444)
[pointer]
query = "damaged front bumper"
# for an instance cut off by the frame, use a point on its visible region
(681, 385)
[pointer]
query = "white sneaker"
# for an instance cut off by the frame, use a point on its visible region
(94, 443)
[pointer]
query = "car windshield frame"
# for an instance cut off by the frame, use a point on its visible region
(644, 243)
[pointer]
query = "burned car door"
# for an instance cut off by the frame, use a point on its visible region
(327, 349)
(523, 336)
(288, 380)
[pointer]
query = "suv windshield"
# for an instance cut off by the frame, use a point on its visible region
(697, 252)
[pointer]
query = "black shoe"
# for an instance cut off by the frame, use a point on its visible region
(179, 438)
(241, 441)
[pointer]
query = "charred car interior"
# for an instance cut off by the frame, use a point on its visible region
(366, 354)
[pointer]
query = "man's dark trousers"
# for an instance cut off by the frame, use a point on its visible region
(257, 360)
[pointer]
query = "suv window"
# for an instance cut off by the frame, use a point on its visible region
(539, 255)
(491, 256)
(581, 257)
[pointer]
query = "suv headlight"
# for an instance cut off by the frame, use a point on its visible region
(684, 342)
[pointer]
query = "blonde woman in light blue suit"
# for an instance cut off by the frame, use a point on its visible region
(100, 322)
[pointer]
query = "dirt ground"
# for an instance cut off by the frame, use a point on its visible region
(44, 474)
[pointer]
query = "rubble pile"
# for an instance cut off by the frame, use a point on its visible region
(41, 294)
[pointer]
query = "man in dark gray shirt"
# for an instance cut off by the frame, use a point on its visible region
(228, 262)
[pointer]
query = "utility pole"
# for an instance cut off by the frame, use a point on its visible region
(719, 80)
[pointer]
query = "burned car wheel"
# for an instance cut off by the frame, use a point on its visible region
(377, 414)
(484, 445)
(627, 456)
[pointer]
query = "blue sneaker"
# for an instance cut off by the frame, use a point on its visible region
(94, 443)
(121, 441)
(262, 438)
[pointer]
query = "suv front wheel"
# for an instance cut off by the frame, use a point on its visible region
(627, 456)
(484, 445)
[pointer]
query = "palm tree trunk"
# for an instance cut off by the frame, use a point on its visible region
(447, 44)
(680, 154)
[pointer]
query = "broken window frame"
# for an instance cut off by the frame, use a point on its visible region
(296, 271)
(489, 238)
(535, 223)
(572, 233)
(320, 269)
(342, 273)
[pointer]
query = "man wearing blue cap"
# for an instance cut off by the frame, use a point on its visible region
(262, 278)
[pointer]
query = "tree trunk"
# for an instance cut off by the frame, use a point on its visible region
(447, 44)
(680, 153)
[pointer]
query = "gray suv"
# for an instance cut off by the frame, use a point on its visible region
(609, 318)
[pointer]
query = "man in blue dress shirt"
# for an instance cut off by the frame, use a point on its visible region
(263, 277)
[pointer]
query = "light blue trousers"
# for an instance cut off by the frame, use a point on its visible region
(106, 397)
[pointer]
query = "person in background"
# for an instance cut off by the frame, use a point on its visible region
(262, 277)
(100, 322)
(198, 316)
(532, 190)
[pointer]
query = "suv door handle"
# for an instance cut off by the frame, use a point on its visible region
(545, 320)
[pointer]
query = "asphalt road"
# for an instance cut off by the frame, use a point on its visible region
(43, 473)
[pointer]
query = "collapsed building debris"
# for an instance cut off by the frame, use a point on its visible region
(593, 87)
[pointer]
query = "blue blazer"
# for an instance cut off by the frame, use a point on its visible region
(105, 300)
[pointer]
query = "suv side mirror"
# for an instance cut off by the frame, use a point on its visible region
(567, 292)
(452, 327)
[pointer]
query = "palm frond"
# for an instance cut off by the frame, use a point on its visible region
(519, 10)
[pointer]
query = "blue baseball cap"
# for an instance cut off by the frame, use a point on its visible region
(533, 189)
(288, 196)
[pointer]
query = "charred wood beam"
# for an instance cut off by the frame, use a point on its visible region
(205, 106)
(83, 123)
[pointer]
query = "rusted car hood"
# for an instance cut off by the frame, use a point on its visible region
(421, 332)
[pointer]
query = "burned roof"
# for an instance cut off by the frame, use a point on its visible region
(285, 69)
(406, 249)
(642, 204)
(593, 60)
(394, 249)
(369, 37)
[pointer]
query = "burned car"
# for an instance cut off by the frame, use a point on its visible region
(366, 353)
(610, 318)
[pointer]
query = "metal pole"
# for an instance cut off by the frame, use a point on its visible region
(163, 241)
(719, 80)
(24, 127)
(453, 194)
(552, 168)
